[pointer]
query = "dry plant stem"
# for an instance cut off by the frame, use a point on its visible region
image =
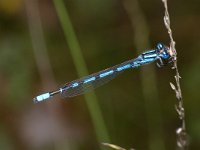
(181, 131)
(113, 146)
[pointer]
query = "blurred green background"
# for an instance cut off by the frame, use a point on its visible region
(46, 43)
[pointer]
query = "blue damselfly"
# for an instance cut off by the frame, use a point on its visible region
(80, 86)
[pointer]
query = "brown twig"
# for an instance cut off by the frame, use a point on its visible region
(182, 141)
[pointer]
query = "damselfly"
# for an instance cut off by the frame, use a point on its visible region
(80, 86)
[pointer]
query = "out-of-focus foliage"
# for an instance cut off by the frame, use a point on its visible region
(10, 6)
(16, 70)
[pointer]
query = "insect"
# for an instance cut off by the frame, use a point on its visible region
(80, 86)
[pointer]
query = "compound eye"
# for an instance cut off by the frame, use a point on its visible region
(160, 46)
